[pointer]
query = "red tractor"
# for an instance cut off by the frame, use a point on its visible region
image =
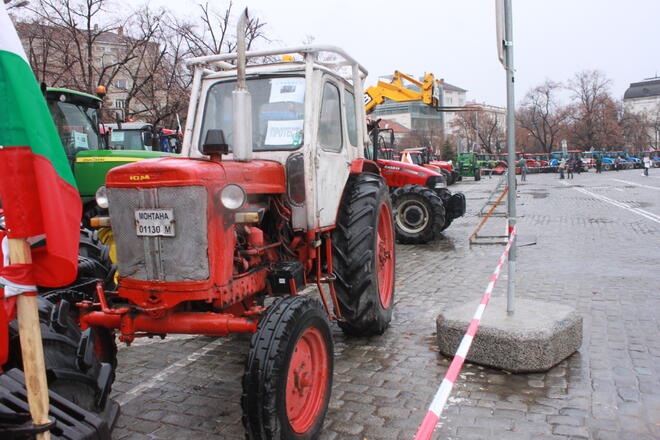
(271, 193)
(425, 157)
(423, 206)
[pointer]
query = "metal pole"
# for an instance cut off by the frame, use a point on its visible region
(511, 141)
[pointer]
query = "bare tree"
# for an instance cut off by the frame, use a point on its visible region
(78, 44)
(138, 56)
(481, 129)
(541, 115)
(212, 33)
(161, 83)
(595, 117)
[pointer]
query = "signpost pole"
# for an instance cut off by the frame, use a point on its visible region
(511, 143)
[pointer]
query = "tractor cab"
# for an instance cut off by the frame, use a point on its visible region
(76, 117)
(414, 157)
(137, 136)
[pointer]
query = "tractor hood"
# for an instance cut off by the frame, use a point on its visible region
(91, 166)
(394, 165)
(256, 177)
(443, 164)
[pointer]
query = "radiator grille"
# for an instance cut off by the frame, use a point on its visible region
(183, 257)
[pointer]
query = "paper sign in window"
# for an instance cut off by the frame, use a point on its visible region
(283, 132)
(80, 140)
(117, 136)
(287, 90)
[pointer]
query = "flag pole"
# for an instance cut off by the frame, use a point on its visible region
(32, 349)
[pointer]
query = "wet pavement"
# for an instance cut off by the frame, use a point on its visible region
(597, 249)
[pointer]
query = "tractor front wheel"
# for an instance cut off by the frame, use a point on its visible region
(477, 174)
(288, 375)
(363, 256)
(418, 214)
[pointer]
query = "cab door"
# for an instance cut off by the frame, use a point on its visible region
(332, 164)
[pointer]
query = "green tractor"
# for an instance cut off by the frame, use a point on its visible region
(468, 165)
(86, 142)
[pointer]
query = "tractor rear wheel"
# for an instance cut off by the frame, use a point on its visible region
(363, 256)
(288, 375)
(73, 368)
(418, 214)
(94, 259)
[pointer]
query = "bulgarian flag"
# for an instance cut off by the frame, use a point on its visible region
(37, 189)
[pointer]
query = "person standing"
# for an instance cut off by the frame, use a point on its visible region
(647, 165)
(522, 163)
(617, 163)
(570, 167)
(562, 166)
(599, 165)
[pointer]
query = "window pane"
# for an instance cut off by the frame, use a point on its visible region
(330, 121)
(350, 118)
(278, 107)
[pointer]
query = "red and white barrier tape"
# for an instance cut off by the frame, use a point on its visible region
(431, 419)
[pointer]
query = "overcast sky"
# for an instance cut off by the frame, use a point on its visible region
(455, 40)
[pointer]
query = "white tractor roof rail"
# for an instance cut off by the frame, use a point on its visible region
(342, 59)
(212, 64)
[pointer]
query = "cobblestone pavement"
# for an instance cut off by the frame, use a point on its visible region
(597, 250)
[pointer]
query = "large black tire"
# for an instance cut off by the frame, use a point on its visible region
(94, 265)
(477, 174)
(418, 214)
(94, 259)
(447, 175)
(363, 256)
(293, 343)
(72, 366)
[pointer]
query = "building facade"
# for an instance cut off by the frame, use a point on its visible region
(116, 61)
(643, 98)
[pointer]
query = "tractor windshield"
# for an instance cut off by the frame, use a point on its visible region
(128, 140)
(416, 158)
(278, 112)
(77, 126)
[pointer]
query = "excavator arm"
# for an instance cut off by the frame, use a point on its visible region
(429, 93)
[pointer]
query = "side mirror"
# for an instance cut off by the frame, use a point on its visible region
(215, 144)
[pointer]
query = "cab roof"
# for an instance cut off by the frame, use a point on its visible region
(72, 92)
(73, 97)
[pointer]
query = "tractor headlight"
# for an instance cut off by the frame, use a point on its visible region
(233, 197)
(2, 222)
(102, 197)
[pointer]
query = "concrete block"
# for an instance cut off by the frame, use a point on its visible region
(535, 338)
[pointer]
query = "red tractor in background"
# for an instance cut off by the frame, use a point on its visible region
(423, 206)
(271, 193)
(425, 157)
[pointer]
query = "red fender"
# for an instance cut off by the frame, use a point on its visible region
(360, 165)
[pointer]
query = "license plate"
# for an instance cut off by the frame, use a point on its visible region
(154, 222)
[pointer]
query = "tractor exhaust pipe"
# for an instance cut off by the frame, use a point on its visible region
(241, 99)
